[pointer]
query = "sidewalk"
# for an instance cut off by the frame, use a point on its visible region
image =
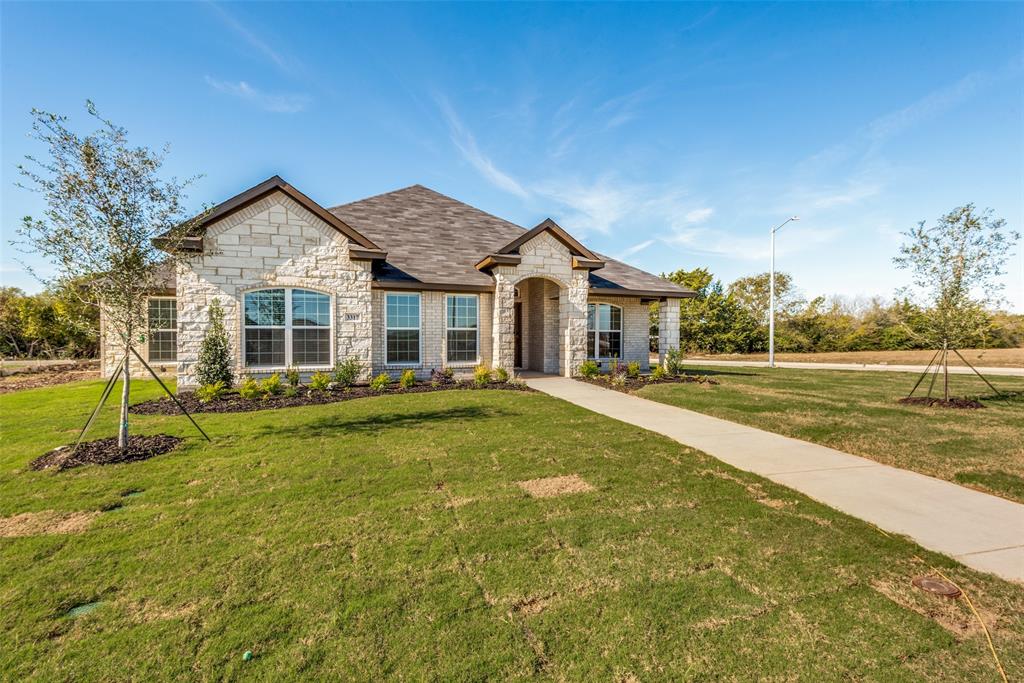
(981, 531)
(798, 365)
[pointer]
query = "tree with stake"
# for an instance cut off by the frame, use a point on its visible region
(955, 266)
(105, 202)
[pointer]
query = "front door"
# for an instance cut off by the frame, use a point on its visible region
(517, 327)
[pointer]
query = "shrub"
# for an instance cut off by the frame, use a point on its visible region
(347, 372)
(250, 389)
(481, 375)
(674, 362)
(380, 382)
(215, 363)
(292, 375)
(271, 386)
(633, 369)
(319, 381)
(439, 376)
(617, 380)
(210, 392)
(408, 379)
(589, 369)
(291, 391)
(501, 375)
(658, 373)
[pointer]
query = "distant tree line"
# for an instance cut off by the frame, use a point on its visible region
(734, 319)
(51, 324)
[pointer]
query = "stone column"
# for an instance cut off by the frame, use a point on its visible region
(668, 328)
(503, 328)
(573, 322)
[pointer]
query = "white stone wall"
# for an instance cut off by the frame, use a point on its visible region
(636, 325)
(668, 328)
(112, 351)
(275, 242)
(433, 334)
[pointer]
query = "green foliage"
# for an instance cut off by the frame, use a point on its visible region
(346, 373)
(589, 369)
(658, 372)
(210, 392)
(481, 375)
(292, 376)
(215, 363)
(674, 362)
(319, 381)
(408, 379)
(753, 294)
(52, 324)
(271, 386)
(381, 382)
(290, 391)
(501, 375)
(633, 369)
(250, 389)
(617, 379)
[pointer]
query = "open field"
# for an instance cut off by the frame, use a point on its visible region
(993, 358)
(857, 412)
(391, 538)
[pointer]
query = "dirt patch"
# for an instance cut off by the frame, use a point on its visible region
(958, 403)
(233, 403)
(630, 384)
(35, 380)
(754, 489)
(106, 452)
(46, 522)
(950, 614)
(532, 605)
(549, 487)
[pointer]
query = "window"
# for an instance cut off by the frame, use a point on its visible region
(403, 329)
(287, 327)
(604, 331)
(163, 330)
(461, 328)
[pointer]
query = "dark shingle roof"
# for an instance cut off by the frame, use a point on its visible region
(434, 239)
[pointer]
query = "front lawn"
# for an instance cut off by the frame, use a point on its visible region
(389, 538)
(857, 412)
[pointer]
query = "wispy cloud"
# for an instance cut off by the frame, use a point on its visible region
(635, 249)
(276, 56)
(466, 143)
(699, 215)
(714, 242)
(281, 103)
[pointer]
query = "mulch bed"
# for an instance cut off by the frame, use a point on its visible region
(958, 403)
(634, 383)
(106, 452)
(233, 403)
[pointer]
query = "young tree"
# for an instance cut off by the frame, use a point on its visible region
(753, 293)
(955, 266)
(105, 202)
(215, 364)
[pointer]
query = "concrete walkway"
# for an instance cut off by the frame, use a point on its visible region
(798, 365)
(982, 531)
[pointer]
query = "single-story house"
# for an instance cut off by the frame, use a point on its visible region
(406, 279)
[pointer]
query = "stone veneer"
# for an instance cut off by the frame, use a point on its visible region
(274, 242)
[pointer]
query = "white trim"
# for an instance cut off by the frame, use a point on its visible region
(418, 328)
(462, 363)
(288, 328)
(597, 330)
(174, 329)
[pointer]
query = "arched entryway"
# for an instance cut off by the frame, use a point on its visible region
(538, 328)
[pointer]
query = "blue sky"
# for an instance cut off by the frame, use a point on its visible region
(671, 136)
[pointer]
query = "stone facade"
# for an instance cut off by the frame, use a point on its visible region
(636, 329)
(668, 328)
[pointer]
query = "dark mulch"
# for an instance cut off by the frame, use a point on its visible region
(634, 383)
(958, 403)
(106, 452)
(233, 403)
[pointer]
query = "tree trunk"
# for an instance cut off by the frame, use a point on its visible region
(945, 369)
(122, 432)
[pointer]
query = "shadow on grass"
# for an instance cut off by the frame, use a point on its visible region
(385, 421)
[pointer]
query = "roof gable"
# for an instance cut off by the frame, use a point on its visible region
(556, 231)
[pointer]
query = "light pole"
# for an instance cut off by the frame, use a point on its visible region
(771, 297)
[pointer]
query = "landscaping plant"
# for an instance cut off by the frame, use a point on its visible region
(210, 392)
(501, 375)
(346, 373)
(481, 375)
(292, 376)
(250, 389)
(658, 372)
(633, 369)
(215, 363)
(271, 386)
(674, 362)
(319, 381)
(408, 379)
(380, 382)
(589, 369)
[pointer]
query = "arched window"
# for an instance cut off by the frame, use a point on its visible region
(604, 331)
(287, 326)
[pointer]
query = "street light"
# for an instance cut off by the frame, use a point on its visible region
(771, 297)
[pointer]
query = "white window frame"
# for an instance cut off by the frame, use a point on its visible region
(418, 328)
(596, 332)
(461, 363)
(150, 330)
(288, 328)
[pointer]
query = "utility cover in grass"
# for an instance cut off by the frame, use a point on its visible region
(549, 487)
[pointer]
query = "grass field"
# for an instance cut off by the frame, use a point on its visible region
(388, 538)
(857, 412)
(993, 358)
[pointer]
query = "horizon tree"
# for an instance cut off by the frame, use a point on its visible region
(955, 267)
(105, 203)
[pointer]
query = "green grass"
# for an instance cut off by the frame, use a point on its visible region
(857, 412)
(386, 538)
